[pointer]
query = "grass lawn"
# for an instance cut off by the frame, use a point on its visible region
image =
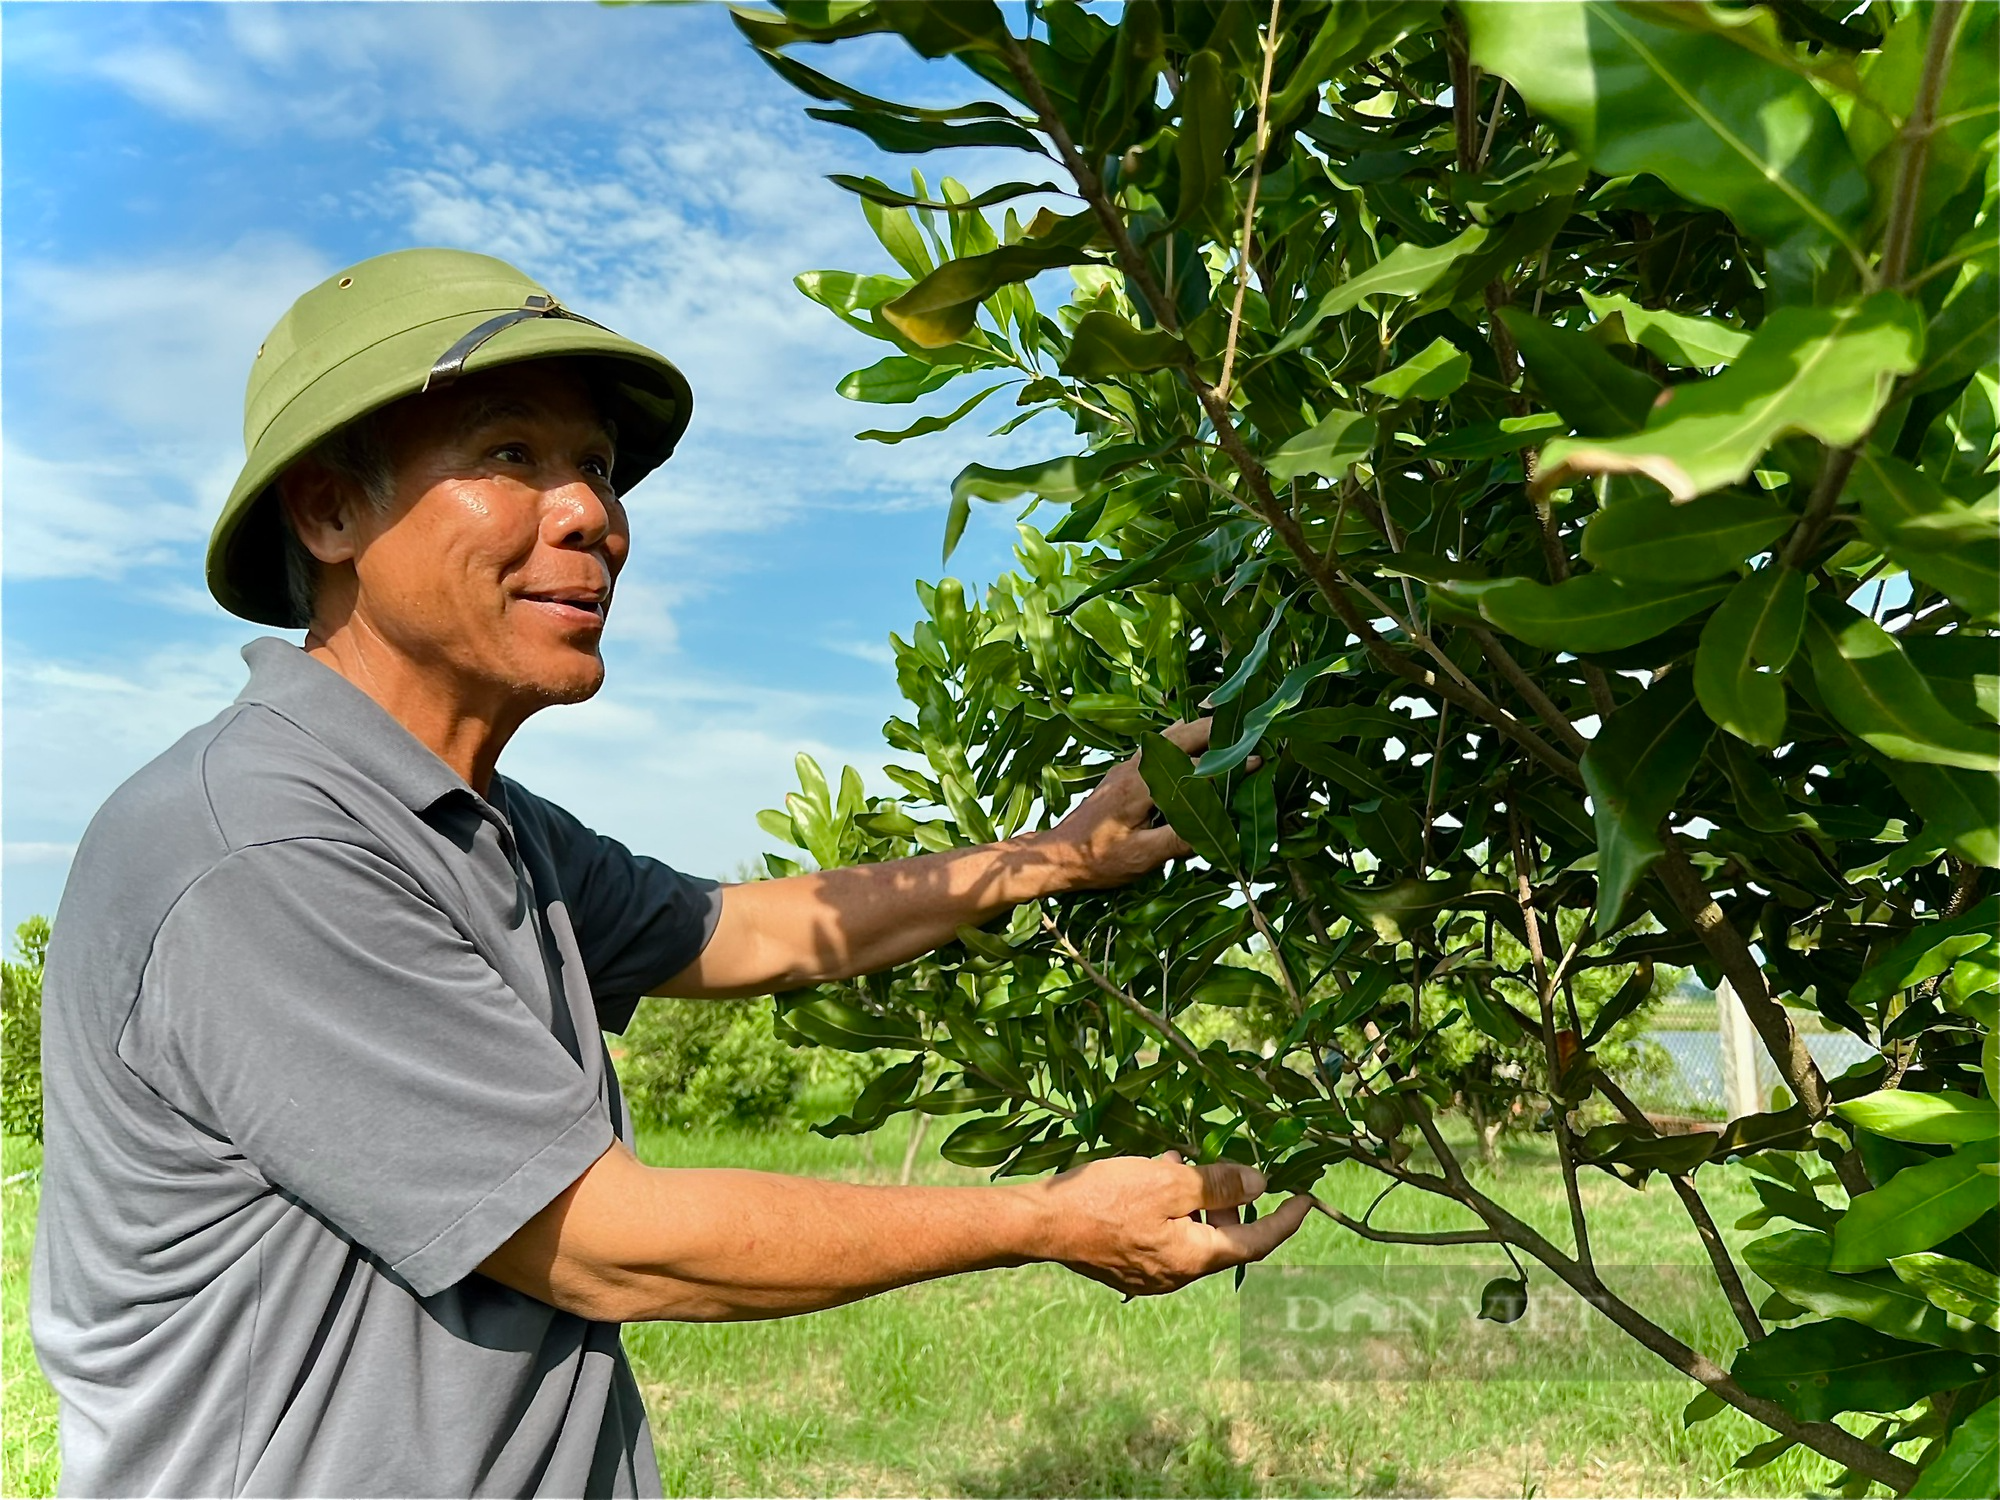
(1037, 1382)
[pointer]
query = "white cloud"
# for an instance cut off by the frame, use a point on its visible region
(125, 414)
(344, 71)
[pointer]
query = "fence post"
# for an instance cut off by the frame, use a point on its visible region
(1738, 1046)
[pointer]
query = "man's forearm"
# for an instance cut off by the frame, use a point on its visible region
(630, 1242)
(834, 924)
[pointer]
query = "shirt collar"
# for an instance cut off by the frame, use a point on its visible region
(347, 721)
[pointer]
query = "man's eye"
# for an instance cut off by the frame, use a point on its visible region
(511, 453)
(599, 466)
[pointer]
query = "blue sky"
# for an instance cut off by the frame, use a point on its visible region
(175, 174)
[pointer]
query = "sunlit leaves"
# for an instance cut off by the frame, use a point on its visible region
(1917, 1209)
(1330, 447)
(1632, 91)
(1871, 687)
(1431, 374)
(1823, 371)
(1950, 545)
(941, 309)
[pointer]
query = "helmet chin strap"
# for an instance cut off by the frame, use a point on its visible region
(451, 364)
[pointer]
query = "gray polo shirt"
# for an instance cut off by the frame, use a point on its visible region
(321, 1030)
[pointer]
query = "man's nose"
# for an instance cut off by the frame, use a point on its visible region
(579, 516)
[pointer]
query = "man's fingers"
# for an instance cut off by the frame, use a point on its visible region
(1226, 1184)
(1160, 844)
(1190, 735)
(1255, 1241)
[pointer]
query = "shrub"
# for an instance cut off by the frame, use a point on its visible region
(696, 1063)
(21, 1030)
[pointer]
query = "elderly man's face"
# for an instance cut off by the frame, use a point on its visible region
(496, 557)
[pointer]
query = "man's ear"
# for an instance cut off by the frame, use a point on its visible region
(317, 505)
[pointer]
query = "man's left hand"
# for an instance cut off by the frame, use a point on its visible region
(1111, 837)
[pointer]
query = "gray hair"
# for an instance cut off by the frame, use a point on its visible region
(357, 456)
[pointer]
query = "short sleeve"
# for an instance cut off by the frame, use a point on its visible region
(308, 1003)
(637, 921)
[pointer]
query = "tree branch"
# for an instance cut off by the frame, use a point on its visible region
(1250, 206)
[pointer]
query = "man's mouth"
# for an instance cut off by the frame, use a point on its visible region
(576, 606)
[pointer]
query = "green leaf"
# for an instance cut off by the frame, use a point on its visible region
(847, 295)
(1929, 1119)
(1961, 1289)
(1496, 1020)
(1640, 1147)
(1632, 994)
(1926, 952)
(880, 192)
(1630, 91)
(983, 1143)
(1433, 373)
(836, 1023)
(1105, 344)
(1757, 626)
(895, 381)
(1968, 1466)
(1961, 337)
(1917, 1209)
(1594, 392)
(1408, 270)
(1962, 669)
(1286, 696)
(924, 426)
(911, 137)
(1251, 660)
(1653, 540)
(1201, 150)
(1823, 371)
(943, 28)
(1256, 806)
(1795, 1263)
(1705, 1404)
(1330, 447)
(1672, 338)
(1941, 541)
(1818, 1370)
(1347, 34)
(941, 309)
(1063, 480)
(1491, 439)
(1590, 612)
(1871, 688)
(1635, 769)
(1192, 805)
(1960, 809)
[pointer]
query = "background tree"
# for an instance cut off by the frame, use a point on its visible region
(1557, 442)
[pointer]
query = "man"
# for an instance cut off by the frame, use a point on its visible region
(336, 1195)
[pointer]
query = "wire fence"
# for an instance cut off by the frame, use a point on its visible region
(1680, 1069)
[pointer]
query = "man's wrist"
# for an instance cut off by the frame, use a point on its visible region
(1033, 1223)
(1055, 864)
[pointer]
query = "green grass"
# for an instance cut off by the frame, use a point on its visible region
(1037, 1382)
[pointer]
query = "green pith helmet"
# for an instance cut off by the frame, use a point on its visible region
(391, 327)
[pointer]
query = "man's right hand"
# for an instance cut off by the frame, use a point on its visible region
(1148, 1225)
